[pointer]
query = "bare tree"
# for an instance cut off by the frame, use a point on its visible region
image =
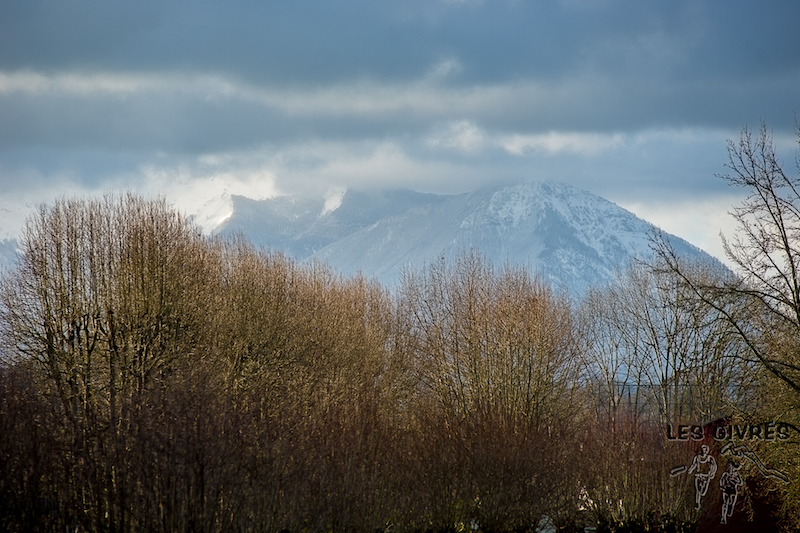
(498, 371)
(106, 297)
(652, 359)
(760, 304)
(655, 354)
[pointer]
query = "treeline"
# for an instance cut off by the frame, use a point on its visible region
(156, 380)
(152, 379)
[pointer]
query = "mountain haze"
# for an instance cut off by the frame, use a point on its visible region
(570, 237)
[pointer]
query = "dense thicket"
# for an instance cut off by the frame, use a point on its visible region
(155, 380)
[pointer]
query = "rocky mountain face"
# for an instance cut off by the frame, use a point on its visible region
(569, 237)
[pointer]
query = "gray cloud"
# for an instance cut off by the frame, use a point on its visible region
(315, 42)
(626, 98)
(624, 64)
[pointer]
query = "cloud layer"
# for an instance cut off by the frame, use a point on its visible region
(630, 100)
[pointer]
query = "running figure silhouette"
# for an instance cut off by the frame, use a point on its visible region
(706, 467)
(729, 482)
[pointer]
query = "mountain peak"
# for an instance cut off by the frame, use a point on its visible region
(570, 237)
(214, 212)
(333, 199)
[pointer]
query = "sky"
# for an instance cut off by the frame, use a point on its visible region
(632, 100)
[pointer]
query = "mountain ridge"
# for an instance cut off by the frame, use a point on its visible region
(570, 237)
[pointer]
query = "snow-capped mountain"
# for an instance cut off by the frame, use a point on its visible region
(568, 236)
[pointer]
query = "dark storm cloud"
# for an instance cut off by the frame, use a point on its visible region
(623, 97)
(266, 41)
(316, 42)
(617, 64)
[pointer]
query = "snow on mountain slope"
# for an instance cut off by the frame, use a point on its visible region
(302, 226)
(570, 237)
